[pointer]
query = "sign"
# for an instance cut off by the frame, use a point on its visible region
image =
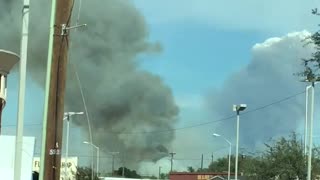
(68, 169)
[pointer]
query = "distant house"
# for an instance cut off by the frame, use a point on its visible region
(217, 178)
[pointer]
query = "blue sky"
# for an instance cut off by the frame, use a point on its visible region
(196, 58)
(204, 43)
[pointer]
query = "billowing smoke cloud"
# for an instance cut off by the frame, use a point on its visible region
(267, 78)
(121, 98)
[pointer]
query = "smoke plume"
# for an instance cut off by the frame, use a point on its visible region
(267, 78)
(123, 100)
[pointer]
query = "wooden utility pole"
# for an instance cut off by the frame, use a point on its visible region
(55, 106)
(212, 158)
(171, 164)
(201, 162)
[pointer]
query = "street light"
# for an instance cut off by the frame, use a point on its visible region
(238, 108)
(307, 116)
(86, 142)
(159, 177)
(7, 61)
(229, 158)
(113, 154)
(313, 82)
(67, 116)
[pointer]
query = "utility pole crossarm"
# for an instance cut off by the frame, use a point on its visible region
(172, 154)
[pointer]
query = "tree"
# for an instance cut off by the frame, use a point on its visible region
(190, 169)
(164, 176)
(128, 173)
(84, 173)
(282, 158)
(312, 64)
(285, 159)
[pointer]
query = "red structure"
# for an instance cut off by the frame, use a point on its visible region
(197, 176)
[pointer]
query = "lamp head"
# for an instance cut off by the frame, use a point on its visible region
(7, 61)
(216, 135)
(73, 113)
(240, 107)
(86, 142)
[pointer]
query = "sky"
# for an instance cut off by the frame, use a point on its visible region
(207, 42)
(208, 48)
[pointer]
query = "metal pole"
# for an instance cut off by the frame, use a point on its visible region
(229, 164)
(67, 145)
(311, 132)
(22, 87)
(98, 159)
(123, 165)
(237, 146)
(112, 164)
(92, 159)
(47, 89)
(212, 158)
(306, 122)
(171, 164)
(201, 162)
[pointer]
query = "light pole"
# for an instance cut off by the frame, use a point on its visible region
(311, 132)
(307, 117)
(159, 172)
(7, 61)
(313, 81)
(86, 142)
(113, 154)
(238, 108)
(229, 158)
(306, 121)
(67, 117)
(22, 89)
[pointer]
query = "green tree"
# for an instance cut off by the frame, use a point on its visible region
(84, 173)
(312, 64)
(190, 169)
(282, 158)
(128, 173)
(164, 176)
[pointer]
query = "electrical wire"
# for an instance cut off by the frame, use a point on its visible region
(70, 15)
(81, 89)
(174, 129)
(215, 121)
(79, 11)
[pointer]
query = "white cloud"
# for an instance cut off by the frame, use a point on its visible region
(266, 79)
(271, 15)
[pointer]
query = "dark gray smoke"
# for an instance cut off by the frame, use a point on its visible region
(121, 98)
(266, 79)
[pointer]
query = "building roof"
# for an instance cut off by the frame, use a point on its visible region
(201, 173)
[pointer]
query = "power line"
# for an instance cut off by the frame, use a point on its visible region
(200, 124)
(215, 121)
(14, 125)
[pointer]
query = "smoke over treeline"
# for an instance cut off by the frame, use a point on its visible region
(121, 98)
